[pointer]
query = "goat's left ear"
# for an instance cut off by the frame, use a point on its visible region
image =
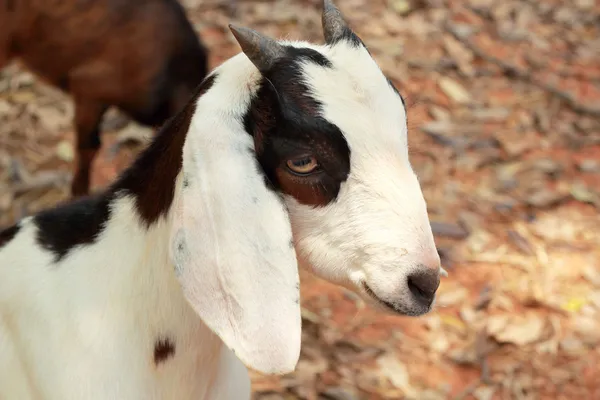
(231, 244)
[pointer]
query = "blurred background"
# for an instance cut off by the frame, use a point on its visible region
(504, 116)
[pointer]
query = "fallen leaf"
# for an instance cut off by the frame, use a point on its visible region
(64, 151)
(439, 113)
(448, 229)
(588, 328)
(589, 165)
(454, 90)
(574, 304)
(484, 393)
(545, 197)
(442, 132)
(582, 193)
(397, 373)
(400, 6)
(572, 345)
(439, 343)
(464, 355)
(451, 296)
(520, 242)
(519, 330)
(339, 393)
(453, 322)
(310, 316)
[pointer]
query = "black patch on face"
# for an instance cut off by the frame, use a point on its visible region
(286, 122)
(151, 178)
(164, 348)
(78, 223)
(8, 234)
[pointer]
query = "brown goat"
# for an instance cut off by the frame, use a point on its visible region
(141, 56)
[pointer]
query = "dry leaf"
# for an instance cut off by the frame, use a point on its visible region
(339, 393)
(574, 304)
(519, 330)
(400, 6)
(64, 151)
(451, 296)
(484, 393)
(588, 328)
(449, 229)
(396, 372)
(454, 323)
(454, 90)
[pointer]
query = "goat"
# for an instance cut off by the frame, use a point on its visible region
(184, 272)
(142, 56)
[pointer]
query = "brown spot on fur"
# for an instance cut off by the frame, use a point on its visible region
(163, 349)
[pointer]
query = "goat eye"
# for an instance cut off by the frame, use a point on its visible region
(302, 166)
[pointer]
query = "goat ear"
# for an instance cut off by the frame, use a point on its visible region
(231, 244)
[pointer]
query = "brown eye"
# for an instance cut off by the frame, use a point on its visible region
(302, 166)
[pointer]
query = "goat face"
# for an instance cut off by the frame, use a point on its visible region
(330, 133)
(300, 158)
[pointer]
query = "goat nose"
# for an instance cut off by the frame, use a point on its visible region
(423, 285)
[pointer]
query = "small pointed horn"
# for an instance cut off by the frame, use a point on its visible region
(261, 50)
(334, 25)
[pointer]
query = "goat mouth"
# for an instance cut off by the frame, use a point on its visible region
(384, 303)
(387, 305)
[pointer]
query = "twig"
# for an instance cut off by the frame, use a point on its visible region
(512, 70)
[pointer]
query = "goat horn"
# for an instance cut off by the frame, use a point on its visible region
(261, 50)
(334, 25)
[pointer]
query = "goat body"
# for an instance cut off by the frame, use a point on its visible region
(106, 322)
(142, 56)
(185, 271)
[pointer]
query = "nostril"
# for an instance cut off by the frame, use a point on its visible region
(423, 285)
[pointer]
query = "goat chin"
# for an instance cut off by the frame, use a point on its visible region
(184, 272)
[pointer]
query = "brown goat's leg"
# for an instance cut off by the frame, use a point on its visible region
(88, 115)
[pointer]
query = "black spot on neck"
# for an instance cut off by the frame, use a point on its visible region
(164, 348)
(62, 228)
(8, 234)
(151, 178)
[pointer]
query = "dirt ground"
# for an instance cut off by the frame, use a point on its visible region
(505, 136)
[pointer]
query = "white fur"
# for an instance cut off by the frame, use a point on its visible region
(85, 327)
(377, 231)
(241, 279)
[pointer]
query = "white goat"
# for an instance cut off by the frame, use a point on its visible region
(185, 271)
